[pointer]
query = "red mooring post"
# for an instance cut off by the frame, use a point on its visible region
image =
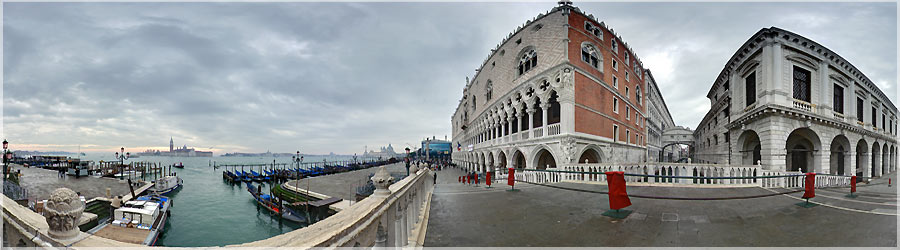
(618, 196)
(487, 179)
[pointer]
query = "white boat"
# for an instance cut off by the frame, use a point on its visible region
(138, 221)
(166, 185)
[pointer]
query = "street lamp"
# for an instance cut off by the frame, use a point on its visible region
(122, 157)
(5, 158)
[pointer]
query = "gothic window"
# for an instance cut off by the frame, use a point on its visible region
(589, 55)
(627, 113)
(598, 33)
(489, 90)
(626, 92)
(801, 84)
(626, 77)
(588, 27)
(527, 61)
(615, 81)
(750, 84)
(474, 103)
(838, 99)
(859, 110)
(615, 65)
(626, 59)
(615, 47)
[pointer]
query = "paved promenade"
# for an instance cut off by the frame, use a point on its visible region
(41, 182)
(343, 185)
(538, 216)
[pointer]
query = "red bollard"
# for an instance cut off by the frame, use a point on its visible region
(487, 179)
(459, 179)
(618, 196)
(511, 179)
(810, 191)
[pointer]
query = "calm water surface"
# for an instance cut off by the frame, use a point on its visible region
(208, 211)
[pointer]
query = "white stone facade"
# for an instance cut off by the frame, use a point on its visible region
(790, 104)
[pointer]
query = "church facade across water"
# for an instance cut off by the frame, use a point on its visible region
(184, 151)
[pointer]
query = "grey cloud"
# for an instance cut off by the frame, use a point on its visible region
(336, 76)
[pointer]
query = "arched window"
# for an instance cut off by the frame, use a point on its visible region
(588, 27)
(637, 94)
(615, 47)
(527, 61)
(589, 55)
(474, 103)
(627, 61)
(489, 90)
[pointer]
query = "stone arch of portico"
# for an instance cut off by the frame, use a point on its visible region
(803, 151)
(893, 158)
(591, 153)
(519, 160)
(750, 147)
(539, 157)
(839, 156)
(491, 163)
(501, 160)
(876, 159)
(862, 158)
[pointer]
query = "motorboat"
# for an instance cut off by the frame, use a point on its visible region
(166, 185)
(139, 221)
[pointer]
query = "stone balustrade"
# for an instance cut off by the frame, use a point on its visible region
(805, 106)
(553, 129)
(392, 217)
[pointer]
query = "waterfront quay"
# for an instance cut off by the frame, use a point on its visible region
(543, 216)
(41, 182)
(340, 185)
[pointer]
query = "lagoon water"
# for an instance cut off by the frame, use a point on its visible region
(209, 211)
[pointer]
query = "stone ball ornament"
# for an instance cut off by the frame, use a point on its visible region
(382, 179)
(63, 210)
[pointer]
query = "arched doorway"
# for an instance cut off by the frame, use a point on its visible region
(801, 146)
(589, 156)
(519, 160)
(876, 160)
(490, 157)
(544, 159)
(750, 148)
(839, 159)
(862, 150)
(501, 160)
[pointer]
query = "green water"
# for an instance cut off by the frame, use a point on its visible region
(209, 211)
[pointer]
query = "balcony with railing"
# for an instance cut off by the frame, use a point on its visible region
(553, 129)
(538, 132)
(838, 116)
(805, 106)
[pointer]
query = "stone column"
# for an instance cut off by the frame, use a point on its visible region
(530, 118)
(519, 121)
(509, 118)
(867, 157)
(544, 107)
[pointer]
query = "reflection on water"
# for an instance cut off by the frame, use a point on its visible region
(209, 211)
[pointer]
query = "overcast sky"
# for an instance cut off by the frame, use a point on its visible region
(333, 77)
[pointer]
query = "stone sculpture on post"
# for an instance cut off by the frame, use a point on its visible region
(382, 179)
(63, 210)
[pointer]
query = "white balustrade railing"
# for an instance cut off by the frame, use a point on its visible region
(388, 220)
(538, 132)
(525, 135)
(838, 116)
(553, 129)
(805, 106)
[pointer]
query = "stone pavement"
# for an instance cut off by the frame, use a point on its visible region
(468, 216)
(343, 185)
(41, 182)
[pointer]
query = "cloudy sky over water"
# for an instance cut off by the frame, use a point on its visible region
(333, 77)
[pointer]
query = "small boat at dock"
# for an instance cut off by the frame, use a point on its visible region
(166, 185)
(270, 203)
(138, 221)
(178, 165)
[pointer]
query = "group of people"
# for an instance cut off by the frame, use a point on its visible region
(469, 178)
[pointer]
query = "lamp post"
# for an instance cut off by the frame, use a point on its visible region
(5, 158)
(122, 157)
